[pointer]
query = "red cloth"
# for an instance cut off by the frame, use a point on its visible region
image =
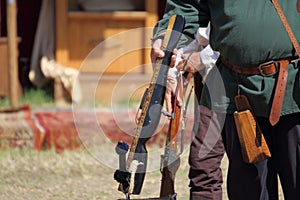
(60, 130)
(18, 128)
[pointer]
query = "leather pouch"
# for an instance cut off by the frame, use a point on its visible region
(253, 145)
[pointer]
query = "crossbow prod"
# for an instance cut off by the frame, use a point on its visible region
(131, 172)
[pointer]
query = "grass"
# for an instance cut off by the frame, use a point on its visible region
(27, 174)
(33, 98)
(37, 97)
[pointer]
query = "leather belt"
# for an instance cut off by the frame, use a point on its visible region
(265, 69)
(268, 69)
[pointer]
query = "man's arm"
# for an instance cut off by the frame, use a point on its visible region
(196, 14)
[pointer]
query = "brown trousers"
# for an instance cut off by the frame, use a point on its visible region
(244, 181)
(206, 153)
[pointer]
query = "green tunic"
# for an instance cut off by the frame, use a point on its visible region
(247, 33)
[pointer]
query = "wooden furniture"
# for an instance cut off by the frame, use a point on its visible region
(4, 73)
(4, 91)
(79, 32)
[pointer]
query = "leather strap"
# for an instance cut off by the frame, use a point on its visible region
(268, 69)
(283, 72)
(286, 26)
(278, 94)
(264, 69)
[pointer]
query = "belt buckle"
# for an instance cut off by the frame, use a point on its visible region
(261, 67)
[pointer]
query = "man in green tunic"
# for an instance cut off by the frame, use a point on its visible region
(251, 40)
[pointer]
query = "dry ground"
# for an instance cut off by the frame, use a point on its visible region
(72, 175)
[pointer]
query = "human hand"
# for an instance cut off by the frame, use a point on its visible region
(172, 76)
(189, 62)
(172, 82)
(173, 89)
(156, 51)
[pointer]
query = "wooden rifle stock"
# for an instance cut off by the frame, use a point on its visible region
(132, 180)
(171, 158)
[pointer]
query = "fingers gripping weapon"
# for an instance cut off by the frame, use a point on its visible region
(131, 180)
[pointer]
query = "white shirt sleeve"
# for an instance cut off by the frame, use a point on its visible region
(207, 55)
(208, 59)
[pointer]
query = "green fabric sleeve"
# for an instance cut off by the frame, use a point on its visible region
(196, 14)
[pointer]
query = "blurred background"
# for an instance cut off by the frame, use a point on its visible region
(66, 31)
(48, 50)
(72, 73)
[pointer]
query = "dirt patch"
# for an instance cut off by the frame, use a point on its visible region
(27, 174)
(70, 175)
